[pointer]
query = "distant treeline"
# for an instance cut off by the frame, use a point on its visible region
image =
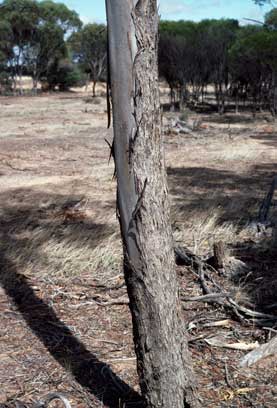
(241, 62)
(48, 42)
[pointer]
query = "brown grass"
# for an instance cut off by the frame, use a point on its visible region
(60, 242)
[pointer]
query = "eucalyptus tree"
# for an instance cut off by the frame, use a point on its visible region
(271, 53)
(21, 18)
(47, 46)
(177, 55)
(5, 55)
(36, 33)
(253, 65)
(163, 360)
(89, 49)
(217, 38)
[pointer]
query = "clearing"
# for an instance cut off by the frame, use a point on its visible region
(65, 324)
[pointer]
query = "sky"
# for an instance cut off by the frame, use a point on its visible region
(94, 10)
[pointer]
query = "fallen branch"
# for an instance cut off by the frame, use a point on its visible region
(250, 312)
(184, 256)
(217, 342)
(44, 402)
(119, 302)
(206, 298)
(266, 350)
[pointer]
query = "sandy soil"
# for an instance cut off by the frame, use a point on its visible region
(64, 320)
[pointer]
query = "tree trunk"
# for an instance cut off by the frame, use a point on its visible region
(94, 88)
(163, 360)
(274, 107)
(237, 102)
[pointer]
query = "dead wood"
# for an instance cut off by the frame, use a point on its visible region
(219, 255)
(205, 298)
(217, 295)
(266, 350)
(183, 256)
(42, 403)
(218, 341)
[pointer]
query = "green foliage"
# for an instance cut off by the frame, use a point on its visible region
(59, 15)
(5, 83)
(32, 35)
(271, 18)
(237, 60)
(195, 53)
(64, 75)
(89, 48)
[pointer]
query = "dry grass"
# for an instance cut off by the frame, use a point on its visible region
(60, 242)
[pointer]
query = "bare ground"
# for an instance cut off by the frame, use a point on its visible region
(65, 324)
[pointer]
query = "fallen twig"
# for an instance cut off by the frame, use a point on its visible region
(250, 312)
(206, 298)
(217, 342)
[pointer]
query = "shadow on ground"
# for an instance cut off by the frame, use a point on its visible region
(269, 139)
(203, 190)
(91, 373)
(237, 198)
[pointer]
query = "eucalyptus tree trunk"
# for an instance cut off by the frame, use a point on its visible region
(163, 360)
(274, 102)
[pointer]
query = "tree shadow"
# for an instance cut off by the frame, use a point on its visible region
(269, 139)
(231, 119)
(91, 373)
(236, 196)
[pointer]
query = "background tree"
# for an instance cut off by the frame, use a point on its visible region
(163, 359)
(48, 45)
(21, 18)
(5, 55)
(36, 32)
(89, 49)
(193, 55)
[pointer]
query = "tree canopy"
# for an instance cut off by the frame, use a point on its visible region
(241, 62)
(32, 35)
(89, 48)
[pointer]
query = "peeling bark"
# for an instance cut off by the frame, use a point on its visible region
(163, 360)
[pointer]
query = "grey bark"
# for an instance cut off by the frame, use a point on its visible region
(163, 360)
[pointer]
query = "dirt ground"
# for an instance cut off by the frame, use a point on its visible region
(64, 319)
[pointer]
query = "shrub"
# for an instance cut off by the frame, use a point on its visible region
(5, 83)
(62, 74)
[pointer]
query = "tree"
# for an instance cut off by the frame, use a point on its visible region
(21, 17)
(48, 44)
(89, 48)
(47, 47)
(178, 42)
(253, 65)
(163, 360)
(36, 35)
(217, 37)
